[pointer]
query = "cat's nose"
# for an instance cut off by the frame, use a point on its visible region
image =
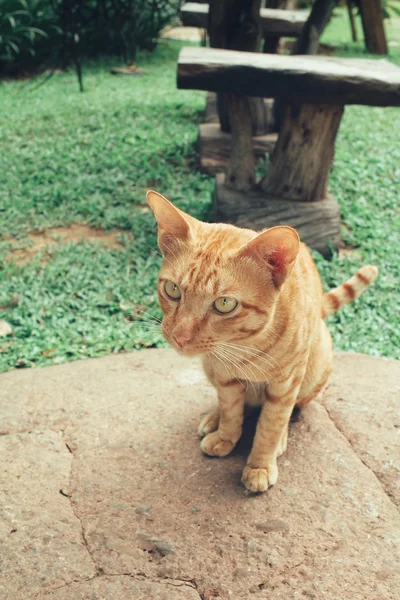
(181, 339)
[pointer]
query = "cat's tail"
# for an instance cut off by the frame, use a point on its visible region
(349, 290)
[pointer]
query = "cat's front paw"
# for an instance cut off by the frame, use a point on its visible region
(209, 423)
(213, 445)
(259, 480)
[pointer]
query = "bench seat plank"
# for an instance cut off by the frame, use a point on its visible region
(311, 79)
(273, 20)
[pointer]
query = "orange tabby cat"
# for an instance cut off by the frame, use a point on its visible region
(252, 305)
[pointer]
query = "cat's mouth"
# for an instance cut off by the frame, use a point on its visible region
(188, 347)
(188, 351)
(184, 347)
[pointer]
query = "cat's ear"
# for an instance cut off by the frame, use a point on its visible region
(278, 247)
(173, 224)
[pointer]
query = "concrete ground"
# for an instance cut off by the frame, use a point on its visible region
(104, 493)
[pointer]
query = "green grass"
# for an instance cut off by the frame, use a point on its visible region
(68, 157)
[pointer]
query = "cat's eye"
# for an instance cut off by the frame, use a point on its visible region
(225, 305)
(172, 290)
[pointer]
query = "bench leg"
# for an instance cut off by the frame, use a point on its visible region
(303, 155)
(241, 169)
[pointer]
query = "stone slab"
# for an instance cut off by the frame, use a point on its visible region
(165, 511)
(123, 587)
(367, 416)
(273, 21)
(155, 512)
(318, 223)
(41, 544)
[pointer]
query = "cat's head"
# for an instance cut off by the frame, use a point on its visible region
(218, 283)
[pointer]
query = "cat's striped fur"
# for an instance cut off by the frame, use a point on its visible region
(272, 349)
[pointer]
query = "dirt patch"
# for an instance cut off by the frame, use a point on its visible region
(61, 235)
(346, 251)
(5, 329)
(185, 34)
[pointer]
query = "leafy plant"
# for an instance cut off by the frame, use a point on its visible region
(36, 33)
(391, 8)
(18, 31)
(135, 24)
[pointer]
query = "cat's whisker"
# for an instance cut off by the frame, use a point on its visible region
(254, 354)
(233, 361)
(146, 324)
(178, 259)
(149, 326)
(237, 348)
(169, 249)
(223, 362)
(149, 316)
(224, 359)
(257, 353)
(218, 352)
(265, 375)
(274, 331)
(160, 254)
(153, 249)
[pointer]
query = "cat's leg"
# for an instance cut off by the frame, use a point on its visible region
(209, 423)
(271, 433)
(231, 412)
(283, 442)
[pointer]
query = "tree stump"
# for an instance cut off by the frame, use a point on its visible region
(318, 223)
(303, 156)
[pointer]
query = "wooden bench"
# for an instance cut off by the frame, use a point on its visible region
(281, 23)
(313, 91)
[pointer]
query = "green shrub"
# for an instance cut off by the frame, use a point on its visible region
(38, 33)
(26, 30)
(124, 26)
(391, 8)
